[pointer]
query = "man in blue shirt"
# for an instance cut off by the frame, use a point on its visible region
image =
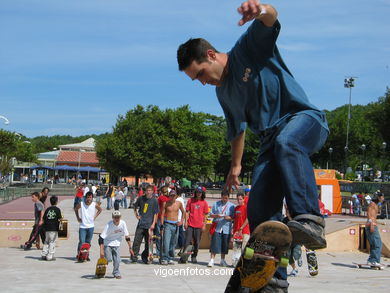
(256, 90)
(222, 214)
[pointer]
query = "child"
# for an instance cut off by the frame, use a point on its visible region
(51, 222)
(110, 241)
(38, 215)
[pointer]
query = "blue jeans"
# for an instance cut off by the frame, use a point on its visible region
(283, 169)
(124, 203)
(169, 239)
(156, 232)
(112, 253)
(85, 236)
(375, 245)
(109, 203)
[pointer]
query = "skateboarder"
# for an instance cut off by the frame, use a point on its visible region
(51, 222)
(169, 219)
(372, 232)
(38, 215)
(146, 211)
(86, 213)
(110, 240)
(256, 90)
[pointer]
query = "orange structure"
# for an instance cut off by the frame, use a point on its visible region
(330, 189)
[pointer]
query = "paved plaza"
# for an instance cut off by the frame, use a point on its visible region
(24, 271)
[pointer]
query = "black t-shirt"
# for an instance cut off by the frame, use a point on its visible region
(51, 218)
(147, 208)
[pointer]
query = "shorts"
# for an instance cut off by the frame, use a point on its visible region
(220, 243)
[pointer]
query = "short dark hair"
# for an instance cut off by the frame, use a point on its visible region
(53, 200)
(225, 193)
(36, 194)
(193, 50)
(43, 189)
(240, 194)
(89, 193)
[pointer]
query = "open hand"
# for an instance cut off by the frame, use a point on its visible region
(249, 10)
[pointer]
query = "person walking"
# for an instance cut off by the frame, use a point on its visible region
(51, 223)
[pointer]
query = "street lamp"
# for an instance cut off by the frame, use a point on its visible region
(363, 147)
(349, 83)
(346, 159)
(330, 150)
(6, 121)
(384, 146)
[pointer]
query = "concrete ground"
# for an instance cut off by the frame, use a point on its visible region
(24, 271)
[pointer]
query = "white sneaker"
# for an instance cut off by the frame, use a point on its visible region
(293, 273)
(171, 262)
(211, 263)
(223, 263)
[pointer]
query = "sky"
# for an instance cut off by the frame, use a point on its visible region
(71, 67)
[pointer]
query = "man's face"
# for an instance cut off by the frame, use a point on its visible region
(149, 192)
(240, 200)
(116, 220)
(34, 198)
(208, 72)
(88, 199)
(225, 198)
(381, 198)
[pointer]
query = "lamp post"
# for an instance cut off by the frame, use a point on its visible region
(384, 146)
(348, 83)
(330, 150)
(346, 159)
(363, 147)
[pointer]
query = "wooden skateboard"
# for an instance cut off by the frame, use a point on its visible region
(265, 251)
(368, 267)
(83, 254)
(312, 263)
(186, 254)
(101, 267)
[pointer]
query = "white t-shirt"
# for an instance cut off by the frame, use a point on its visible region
(87, 215)
(119, 195)
(113, 234)
(180, 213)
(86, 189)
(93, 189)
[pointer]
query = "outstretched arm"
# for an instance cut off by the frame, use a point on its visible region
(237, 149)
(253, 9)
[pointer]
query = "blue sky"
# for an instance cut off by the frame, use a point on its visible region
(70, 67)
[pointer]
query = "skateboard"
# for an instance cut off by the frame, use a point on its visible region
(237, 248)
(312, 263)
(83, 254)
(265, 251)
(367, 266)
(101, 267)
(186, 254)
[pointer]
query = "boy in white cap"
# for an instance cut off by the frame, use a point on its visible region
(110, 240)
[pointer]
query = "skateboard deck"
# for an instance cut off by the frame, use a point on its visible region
(264, 252)
(312, 263)
(367, 266)
(84, 252)
(186, 254)
(101, 267)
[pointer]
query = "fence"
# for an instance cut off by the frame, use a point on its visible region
(11, 193)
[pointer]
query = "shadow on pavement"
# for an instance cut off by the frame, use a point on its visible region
(344, 265)
(93, 277)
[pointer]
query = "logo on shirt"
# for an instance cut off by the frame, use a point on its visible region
(51, 215)
(246, 74)
(197, 206)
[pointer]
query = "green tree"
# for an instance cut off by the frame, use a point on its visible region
(13, 146)
(175, 142)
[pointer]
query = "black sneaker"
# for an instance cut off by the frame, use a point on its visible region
(194, 260)
(134, 259)
(308, 233)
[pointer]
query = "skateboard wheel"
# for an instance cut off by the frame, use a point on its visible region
(284, 262)
(249, 252)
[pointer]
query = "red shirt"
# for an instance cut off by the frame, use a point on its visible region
(79, 193)
(197, 209)
(161, 199)
(239, 219)
(246, 198)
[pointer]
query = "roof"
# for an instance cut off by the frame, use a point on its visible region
(48, 155)
(76, 157)
(86, 144)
